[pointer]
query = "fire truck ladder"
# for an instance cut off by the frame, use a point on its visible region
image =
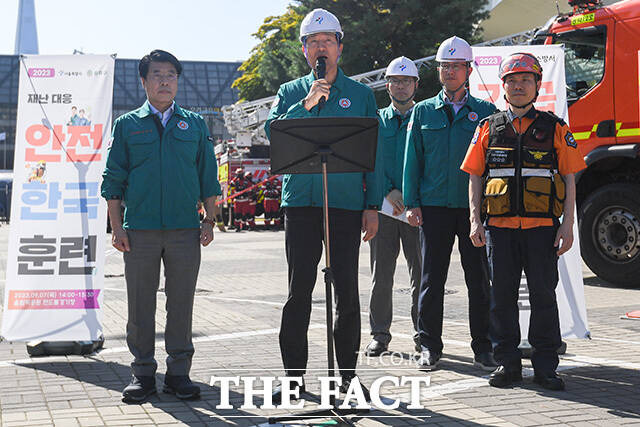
(249, 117)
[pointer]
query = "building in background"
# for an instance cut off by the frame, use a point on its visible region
(203, 87)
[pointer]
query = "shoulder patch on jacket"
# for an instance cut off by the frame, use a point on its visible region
(571, 141)
(475, 135)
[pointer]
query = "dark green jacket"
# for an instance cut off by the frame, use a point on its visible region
(347, 98)
(435, 150)
(392, 139)
(160, 178)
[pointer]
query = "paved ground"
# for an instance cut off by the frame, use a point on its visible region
(237, 314)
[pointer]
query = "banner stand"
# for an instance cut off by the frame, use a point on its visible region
(56, 249)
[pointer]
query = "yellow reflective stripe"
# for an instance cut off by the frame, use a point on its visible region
(581, 135)
(584, 135)
(628, 132)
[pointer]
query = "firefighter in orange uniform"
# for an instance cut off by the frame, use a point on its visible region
(522, 164)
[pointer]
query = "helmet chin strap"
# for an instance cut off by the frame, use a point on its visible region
(453, 93)
(524, 105)
(401, 102)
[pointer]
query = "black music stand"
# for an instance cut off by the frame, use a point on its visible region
(324, 145)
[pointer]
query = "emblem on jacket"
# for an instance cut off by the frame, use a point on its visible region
(183, 125)
(344, 103)
(537, 154)
(473, 116)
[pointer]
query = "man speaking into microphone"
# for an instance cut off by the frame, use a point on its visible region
(324, 92)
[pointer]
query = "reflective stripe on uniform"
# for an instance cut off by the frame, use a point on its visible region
(537, 172)
(496, 173)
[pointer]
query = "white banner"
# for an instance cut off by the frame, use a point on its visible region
(55, 263)
(485, 84)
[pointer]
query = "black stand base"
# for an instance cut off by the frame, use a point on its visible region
(63, 348)
(336, 414)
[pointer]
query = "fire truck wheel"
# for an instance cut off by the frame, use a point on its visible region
(609, 222)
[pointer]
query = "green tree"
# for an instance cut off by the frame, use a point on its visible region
(275, 60)
(376, 31)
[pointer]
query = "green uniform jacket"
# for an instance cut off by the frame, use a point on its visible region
(347, 98)
(160, 179)
(435, 150)
(391, 140)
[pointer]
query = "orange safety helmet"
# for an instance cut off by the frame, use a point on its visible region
(520, 63)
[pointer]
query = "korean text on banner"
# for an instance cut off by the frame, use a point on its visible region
(55, 263)
(485, 84)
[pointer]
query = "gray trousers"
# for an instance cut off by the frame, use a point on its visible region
(385, 247)
(179, 250)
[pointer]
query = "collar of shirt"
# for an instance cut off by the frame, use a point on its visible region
(338, 84)
(531, 114)
(397, 112)
(164, 117)
(521, 125)
(460, 103)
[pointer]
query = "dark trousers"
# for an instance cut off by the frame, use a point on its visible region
(510, 251)
(440, 226)
(304, 236)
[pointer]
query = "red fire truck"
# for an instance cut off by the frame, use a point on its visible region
(601, 61)
(227, 164)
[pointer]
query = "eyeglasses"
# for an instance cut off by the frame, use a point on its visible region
(163, 77)
(452, 66)
(316, 44)
(400, 82)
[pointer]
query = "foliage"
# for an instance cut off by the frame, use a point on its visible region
(376, 31)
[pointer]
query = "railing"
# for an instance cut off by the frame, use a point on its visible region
(250, 116)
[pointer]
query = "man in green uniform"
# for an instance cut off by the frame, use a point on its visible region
(160, 162)
(402, 83)
(351, 208)
(435, 191)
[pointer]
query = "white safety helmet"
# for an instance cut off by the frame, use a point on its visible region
(454, 49)
(320, 21)
(402, 66)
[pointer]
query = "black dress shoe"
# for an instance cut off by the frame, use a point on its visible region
(549, 381)
(276, 396)
(485, 361)
(375, 348)
(139, 389)
(504, 377)
(181, 386)
(418, 346)
(429, 359)
(346, 383)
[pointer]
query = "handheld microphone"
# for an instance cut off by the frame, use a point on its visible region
(321, 71)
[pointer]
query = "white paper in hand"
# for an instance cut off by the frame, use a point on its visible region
(387, 209)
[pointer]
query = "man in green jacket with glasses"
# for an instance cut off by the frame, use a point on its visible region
(435, 191)
(160, 163)
(351, 208)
